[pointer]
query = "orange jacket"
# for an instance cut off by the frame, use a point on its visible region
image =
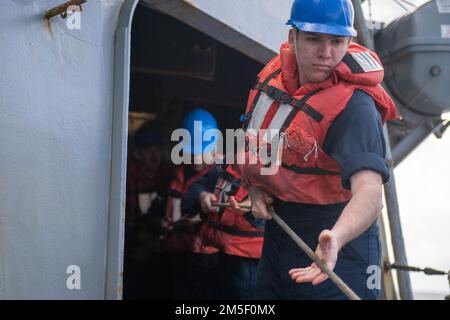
(303, 115)
(188, 239)
(233, 232)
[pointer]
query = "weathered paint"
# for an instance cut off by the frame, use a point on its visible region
(63, 128)
(116, 223)
(55, 148)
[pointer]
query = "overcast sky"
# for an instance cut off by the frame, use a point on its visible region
(388, 10)
(423, 186)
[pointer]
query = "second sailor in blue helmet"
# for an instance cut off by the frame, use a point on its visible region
(193, 262)
(202, 127)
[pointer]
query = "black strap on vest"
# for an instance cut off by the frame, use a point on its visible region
(299, 105)
(235, 185)
(245, 118)
(314, 171)
(230, 178)
(174, 193)
(235, 232)
(352, 64)
(285, 98)
(302, 105)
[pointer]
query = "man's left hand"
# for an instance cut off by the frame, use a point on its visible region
(327, 251)
(241, 207)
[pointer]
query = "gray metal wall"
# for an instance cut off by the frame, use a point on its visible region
(55, 148)
(63, 125)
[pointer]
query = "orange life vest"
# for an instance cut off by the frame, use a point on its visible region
(233, 232)
(188, 240)
(303, 115)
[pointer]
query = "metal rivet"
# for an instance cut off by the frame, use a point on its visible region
(435, 71)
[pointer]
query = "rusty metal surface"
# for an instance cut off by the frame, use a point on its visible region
(62, 9)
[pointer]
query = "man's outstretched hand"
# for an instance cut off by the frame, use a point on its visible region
(327, 251)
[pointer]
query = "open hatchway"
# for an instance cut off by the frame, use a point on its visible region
(174, 70)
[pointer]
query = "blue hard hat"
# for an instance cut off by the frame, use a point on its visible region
(323, 16)
(197, 122)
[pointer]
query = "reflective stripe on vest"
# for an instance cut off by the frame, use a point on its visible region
(248, 115)
(285, 114)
